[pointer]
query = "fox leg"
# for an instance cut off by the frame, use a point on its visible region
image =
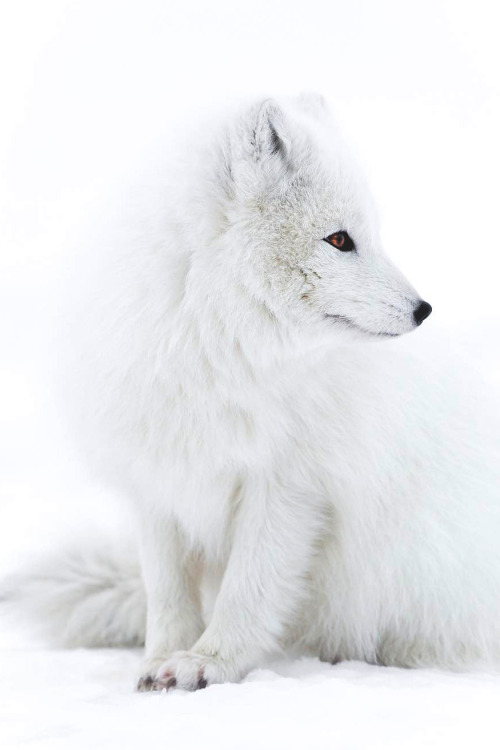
(273, 546)
(173, 618)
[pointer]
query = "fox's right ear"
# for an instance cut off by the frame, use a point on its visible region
(266, 134)
(260, 145)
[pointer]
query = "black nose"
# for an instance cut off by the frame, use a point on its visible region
(422, 312)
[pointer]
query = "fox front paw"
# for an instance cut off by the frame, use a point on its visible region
(147, 674)
(145, 683)
(189, 670)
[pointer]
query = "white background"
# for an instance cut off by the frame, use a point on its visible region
(85, 87)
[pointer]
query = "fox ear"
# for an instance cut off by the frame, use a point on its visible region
(259, 146)
(261, 136)
(314, 104)
(267, 136)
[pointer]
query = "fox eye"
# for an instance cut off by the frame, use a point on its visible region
(340, 240)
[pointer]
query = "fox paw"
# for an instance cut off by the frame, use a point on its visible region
(145, 683)
(148, 673)
(188, 670)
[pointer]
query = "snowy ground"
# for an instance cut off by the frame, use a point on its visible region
(85, 85)
(83, 701)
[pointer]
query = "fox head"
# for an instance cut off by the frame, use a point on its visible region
(296, 229)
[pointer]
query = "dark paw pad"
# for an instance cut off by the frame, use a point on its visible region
(145, 684)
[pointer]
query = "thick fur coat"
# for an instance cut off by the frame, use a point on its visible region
(243, 382)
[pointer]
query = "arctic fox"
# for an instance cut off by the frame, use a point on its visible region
(242, 384)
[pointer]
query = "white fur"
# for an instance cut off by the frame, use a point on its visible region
(87, 594)
(341, 491)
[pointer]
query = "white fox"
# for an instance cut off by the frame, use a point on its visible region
(340, 493)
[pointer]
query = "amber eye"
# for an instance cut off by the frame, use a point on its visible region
(341, 241)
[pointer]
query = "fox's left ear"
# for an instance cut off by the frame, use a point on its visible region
(314, 104)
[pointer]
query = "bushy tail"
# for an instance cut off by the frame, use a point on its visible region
(91, 596)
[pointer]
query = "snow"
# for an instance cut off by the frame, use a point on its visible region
(81, 700)
(85, 85)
